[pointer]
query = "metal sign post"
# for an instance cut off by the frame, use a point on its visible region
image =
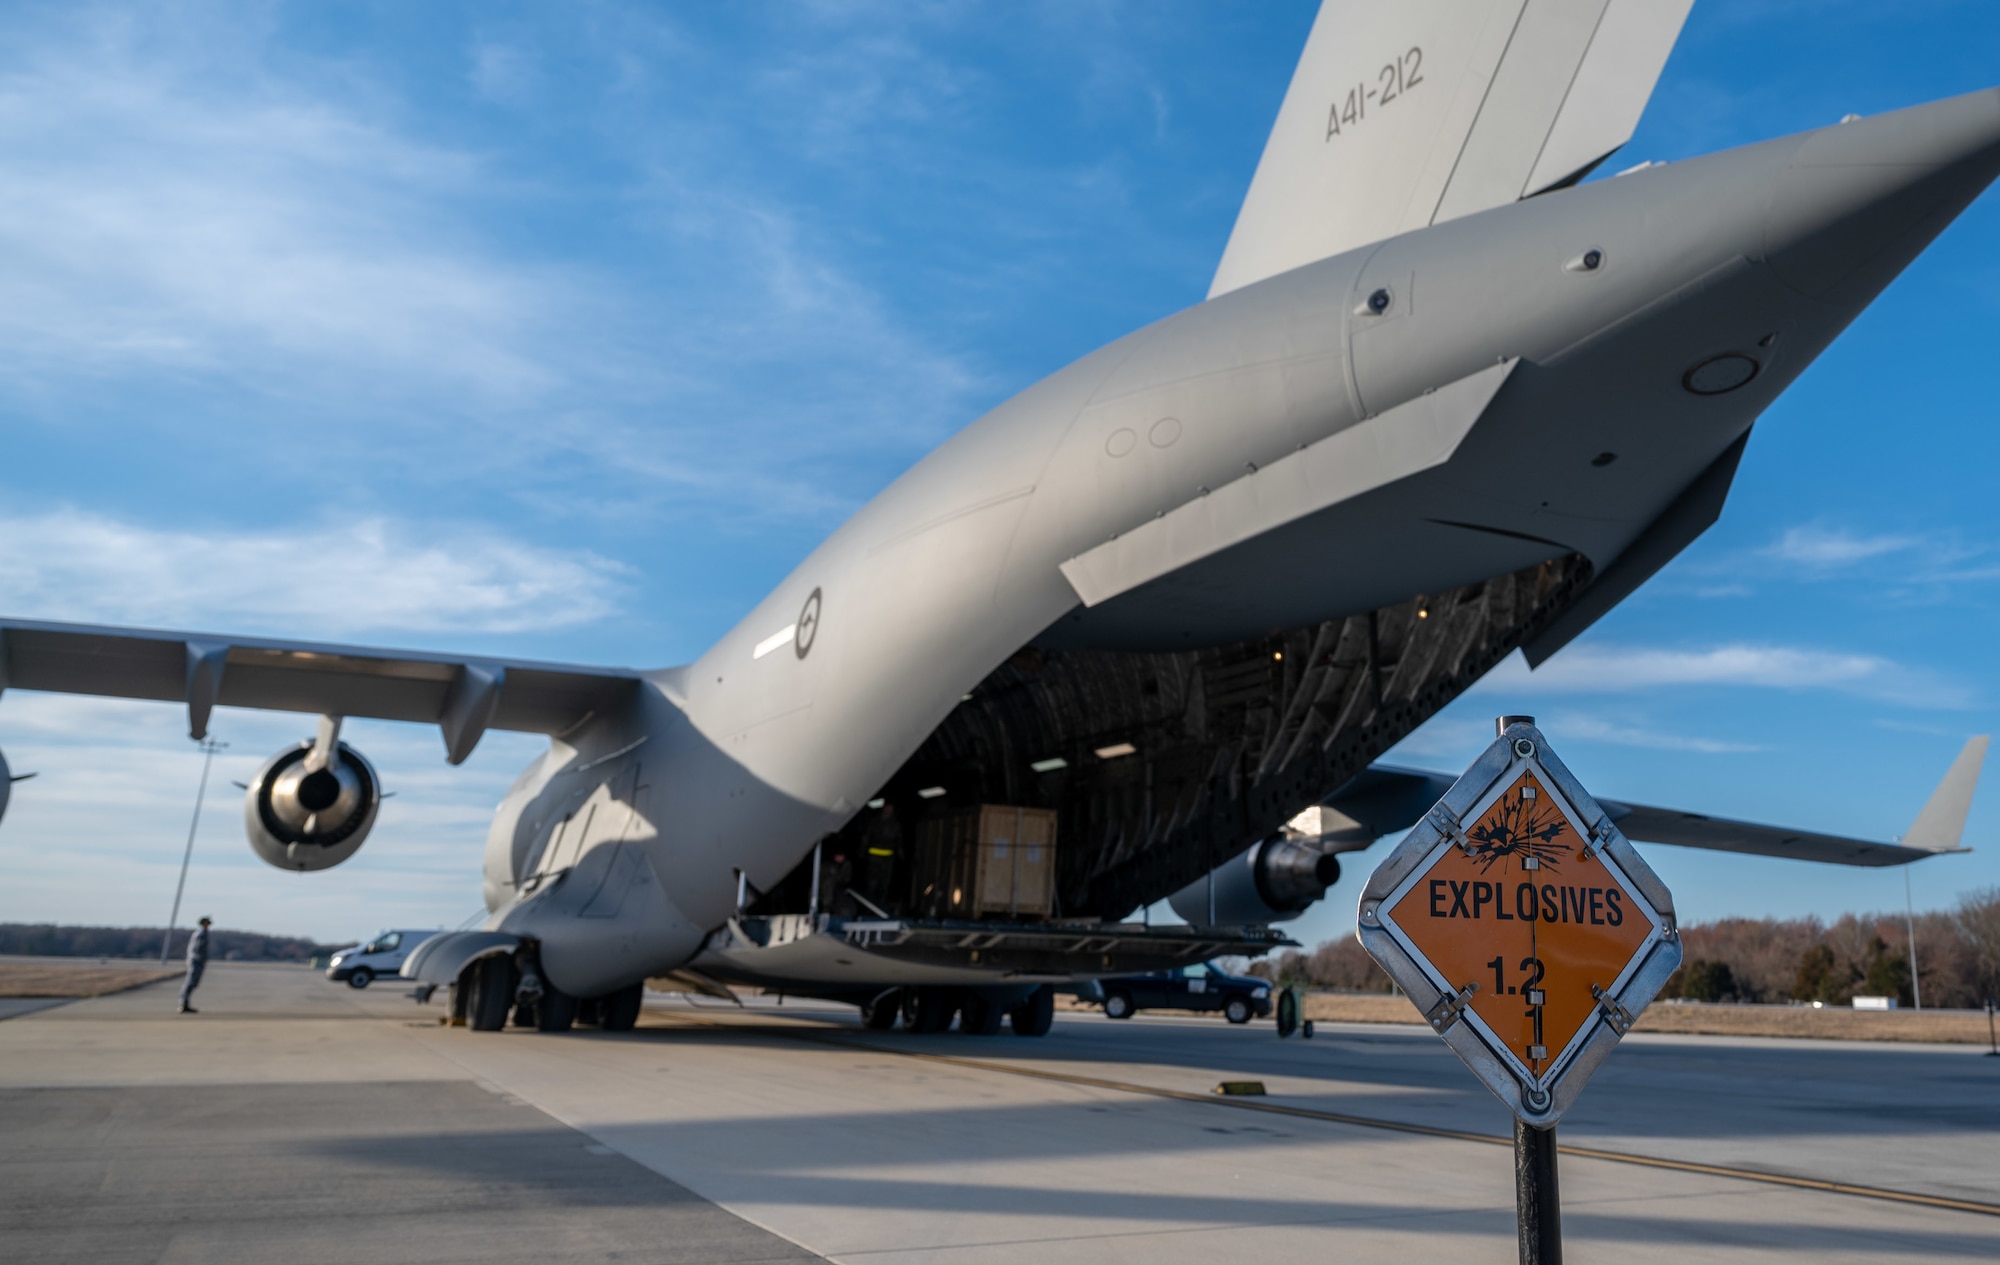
(1531, 935)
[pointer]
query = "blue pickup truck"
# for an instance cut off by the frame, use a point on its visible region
(1202, 986)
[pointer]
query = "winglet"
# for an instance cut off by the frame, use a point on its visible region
(1942, 822)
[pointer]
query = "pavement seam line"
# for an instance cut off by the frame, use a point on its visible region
(1395, 1126)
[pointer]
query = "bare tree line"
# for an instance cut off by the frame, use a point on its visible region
(50, 940)
(1770, 959)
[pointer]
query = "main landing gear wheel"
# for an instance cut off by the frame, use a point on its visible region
(1288, 1012)
(361, 978)
(556, 1012)
(980, 1017)
(489, 992)
(1237, 1010)
(1118, 1005)
(1036, 1014)
(619, 1011)
(935, 1009)
(881, 1013)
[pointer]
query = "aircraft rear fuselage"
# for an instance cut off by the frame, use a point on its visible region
(1651, 319)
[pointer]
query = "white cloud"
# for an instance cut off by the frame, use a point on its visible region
(1815, 546)
(1652, 738)
(505, 73)
(336, 578)
(1610, 669)
(1453, 739)
(272, 242)
(169, 214)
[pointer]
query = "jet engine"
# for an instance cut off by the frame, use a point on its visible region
(1275, 880)
(311, 806)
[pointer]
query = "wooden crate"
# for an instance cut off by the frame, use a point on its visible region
(993, 861)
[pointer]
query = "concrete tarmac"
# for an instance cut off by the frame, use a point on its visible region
(297, 1119)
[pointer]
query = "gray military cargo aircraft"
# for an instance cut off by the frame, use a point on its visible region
(1443, 402)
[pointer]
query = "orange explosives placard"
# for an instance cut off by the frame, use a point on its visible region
(1529, 918)
(1527, 929)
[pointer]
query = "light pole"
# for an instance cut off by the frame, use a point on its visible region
(209, 747)
(1910, 921)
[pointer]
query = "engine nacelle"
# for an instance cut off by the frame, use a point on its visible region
(1278, 878)
(301, 817)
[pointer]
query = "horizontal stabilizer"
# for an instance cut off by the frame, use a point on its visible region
(1406, 440)
(1385, 799)
(1404, 113)
(1644, 824)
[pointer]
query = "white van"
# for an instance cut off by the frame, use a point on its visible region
(381, 956)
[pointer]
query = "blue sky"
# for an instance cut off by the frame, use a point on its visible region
(564, 331)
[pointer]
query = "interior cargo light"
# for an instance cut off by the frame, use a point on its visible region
(1115, 750)
(1049, 765)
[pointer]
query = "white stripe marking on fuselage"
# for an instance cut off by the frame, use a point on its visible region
(775, 640)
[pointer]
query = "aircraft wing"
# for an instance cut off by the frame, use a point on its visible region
(1388, 799)
(1404, 113)
(463, 696)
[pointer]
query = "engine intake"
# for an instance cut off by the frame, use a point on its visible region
(311, 806)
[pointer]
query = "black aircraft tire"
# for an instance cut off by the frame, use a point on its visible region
(1036, 1014)
(556, 1012)
(936, 1008)
(491, 993)
(881, 1014)
(980, 1017)
(1288, 1012)
(619, 1011)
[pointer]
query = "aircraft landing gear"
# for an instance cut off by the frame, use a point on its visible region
(980, 1016)
(487, 987)
(619, 1011)
(881, 1013)
(1036, 1014)
(556, 1012)
(932, 1010)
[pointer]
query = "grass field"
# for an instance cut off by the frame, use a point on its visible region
(81, 979)
(1956, 1027)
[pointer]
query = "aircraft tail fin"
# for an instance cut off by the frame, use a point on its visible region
(1404, 113)
(1941, 824)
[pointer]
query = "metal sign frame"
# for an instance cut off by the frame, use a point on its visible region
(1541, 1100)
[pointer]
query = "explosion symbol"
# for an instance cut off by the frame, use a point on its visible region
(1522, 824)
